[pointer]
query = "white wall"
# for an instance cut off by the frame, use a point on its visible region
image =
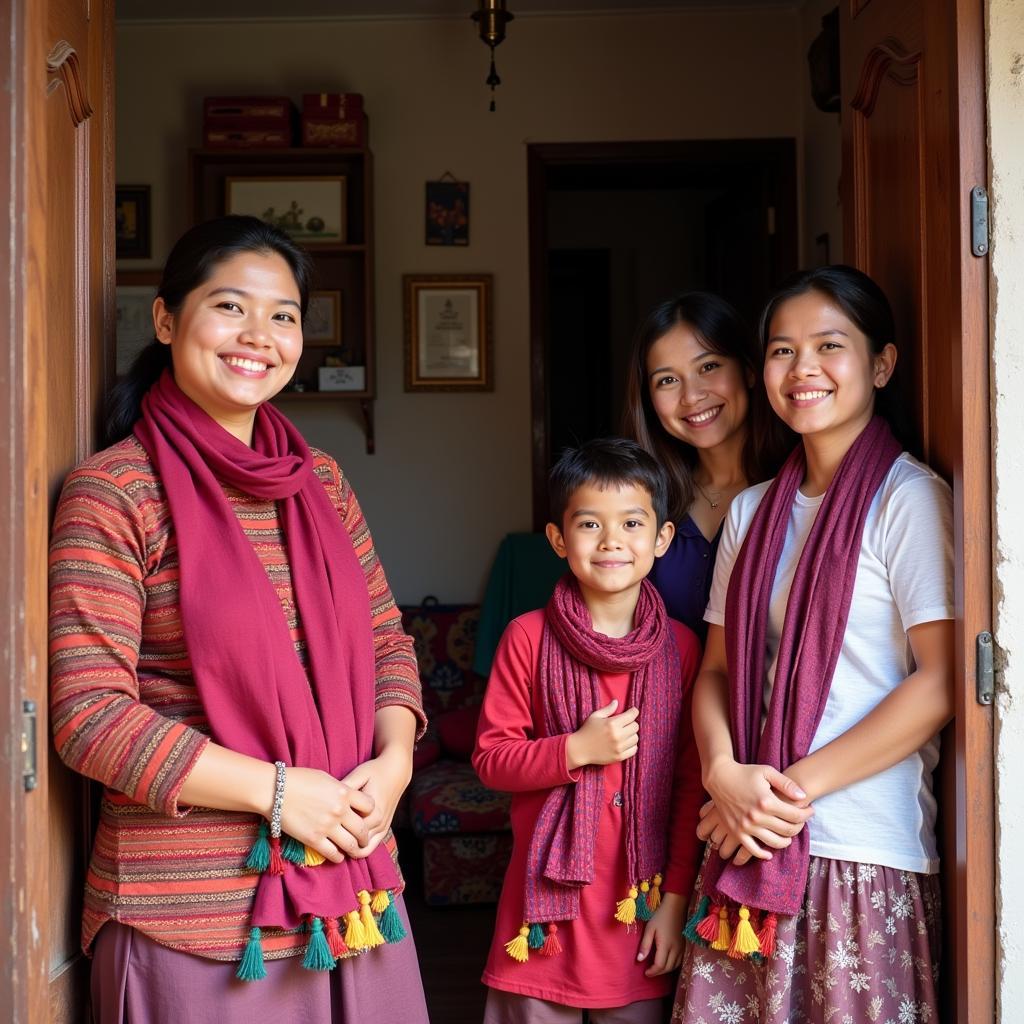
(452, 472)
(1005, 31)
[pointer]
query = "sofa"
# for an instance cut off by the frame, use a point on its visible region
(462, 825)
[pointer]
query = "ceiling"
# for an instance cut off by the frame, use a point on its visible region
(248, 10)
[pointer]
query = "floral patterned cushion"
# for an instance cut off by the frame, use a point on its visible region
(445, 638)
(447, 799)
(465, 869)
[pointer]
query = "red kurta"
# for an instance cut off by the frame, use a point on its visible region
(598, 965)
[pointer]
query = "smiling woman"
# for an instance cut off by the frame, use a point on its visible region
(229, 663)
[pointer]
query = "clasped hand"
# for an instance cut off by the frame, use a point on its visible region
(604, 738)
(347, 817)
(753, 810)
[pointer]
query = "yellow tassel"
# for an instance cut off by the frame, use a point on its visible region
(355, 934)
(654, 896)
(380, 902)
(625, 910)
(519, 948)
(724, 932)
(313, 858)
(744, 942)
(366, 919)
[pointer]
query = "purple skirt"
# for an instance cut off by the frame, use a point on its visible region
(864, 947)
(137, 981)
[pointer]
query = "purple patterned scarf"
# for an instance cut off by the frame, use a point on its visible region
(812, 637)
(561, 856)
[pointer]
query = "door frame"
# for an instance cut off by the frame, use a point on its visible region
(777, 156)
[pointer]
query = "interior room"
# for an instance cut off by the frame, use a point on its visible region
(633, 151)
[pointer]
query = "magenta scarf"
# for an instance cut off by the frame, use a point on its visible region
(561, 856)
(812, 637)
(258, 698)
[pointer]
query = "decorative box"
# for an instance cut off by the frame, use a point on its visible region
(322, 132)
(345, 106)
(222, 137)
(342, 378)
(230, 110)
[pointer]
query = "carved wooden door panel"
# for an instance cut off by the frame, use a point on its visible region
(913, 148)
(62, 301)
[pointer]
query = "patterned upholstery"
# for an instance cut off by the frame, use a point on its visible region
(464, 827)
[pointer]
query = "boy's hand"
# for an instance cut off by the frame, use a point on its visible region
(604, 738)
(664, 932)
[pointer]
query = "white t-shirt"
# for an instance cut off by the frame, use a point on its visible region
(904, 578)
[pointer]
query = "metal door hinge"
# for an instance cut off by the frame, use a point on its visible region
(984, 672)
(979, 221)
(28, 744)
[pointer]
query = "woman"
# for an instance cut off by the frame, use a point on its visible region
(691, 403)
(228, 661)
(826, 678)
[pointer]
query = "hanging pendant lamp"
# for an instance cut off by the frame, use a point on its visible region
(491, 20)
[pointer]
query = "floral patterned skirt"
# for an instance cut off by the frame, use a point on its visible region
(863, 948)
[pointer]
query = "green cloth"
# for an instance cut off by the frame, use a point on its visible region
(523, 577)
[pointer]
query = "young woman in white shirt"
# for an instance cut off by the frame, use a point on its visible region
(826, 678)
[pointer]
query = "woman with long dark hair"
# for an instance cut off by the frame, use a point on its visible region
(227, 660)
(694, 401)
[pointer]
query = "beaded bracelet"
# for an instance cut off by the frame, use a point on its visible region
(275, 813)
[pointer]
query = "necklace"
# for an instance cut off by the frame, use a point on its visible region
(707, 498)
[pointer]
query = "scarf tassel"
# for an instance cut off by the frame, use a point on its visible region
(643, 907)
(391, 926)
(259, 854)
(318, 951)
(625, 910)
(744, 940)
(355, 934)
(311, 858)
(335, 943)
(276, 865)
(381, 901)
(708, 928)
(369, 923)
(766, 936)
(519, 948)
(293, 851)
(535, 939)
(690, 932)
(551, 947)
(654, 899)
(251, 968)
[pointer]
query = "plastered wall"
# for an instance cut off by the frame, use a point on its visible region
(452, 472)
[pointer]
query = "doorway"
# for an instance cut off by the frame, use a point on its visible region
(616, 228)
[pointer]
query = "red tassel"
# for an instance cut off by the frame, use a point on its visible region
(335, 943)
(276, 860)
(551, 947)
(708, 928)
(766, 936)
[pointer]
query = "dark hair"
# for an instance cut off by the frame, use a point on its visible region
(192, 261)
(866, 306)
(724, 332)
(606, 462)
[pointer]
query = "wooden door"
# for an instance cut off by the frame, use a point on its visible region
(913, 148)
(57, 314)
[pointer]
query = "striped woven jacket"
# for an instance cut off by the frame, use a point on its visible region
(125, 710)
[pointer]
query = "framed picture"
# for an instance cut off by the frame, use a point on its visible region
(135, 292)
(322, 326)
(310, 209)
(448, 332)
(448, 212)
(131, 222)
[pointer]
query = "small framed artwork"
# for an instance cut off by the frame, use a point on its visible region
(322, 326)
(448, 345)
(131, 222)
(135, 292)
(310, 209)
(448, 212)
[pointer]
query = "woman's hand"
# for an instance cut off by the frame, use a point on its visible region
(604, 738)
(755, 804)
(327, 815)
(383, 779)
(664, 933)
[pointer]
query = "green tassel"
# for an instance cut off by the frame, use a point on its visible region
(643, 911)
(293, 850)
(535, 940)
(690, 930)
(318, 953)
(390, 924)
(259, 855)
(251, 968)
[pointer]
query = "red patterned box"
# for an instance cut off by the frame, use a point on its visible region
(233, 109)
(223, 137)
(326, 132)
(345, 106)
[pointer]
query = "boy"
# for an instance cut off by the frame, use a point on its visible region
(586, 720)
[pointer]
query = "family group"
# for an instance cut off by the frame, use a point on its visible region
(719, 734)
